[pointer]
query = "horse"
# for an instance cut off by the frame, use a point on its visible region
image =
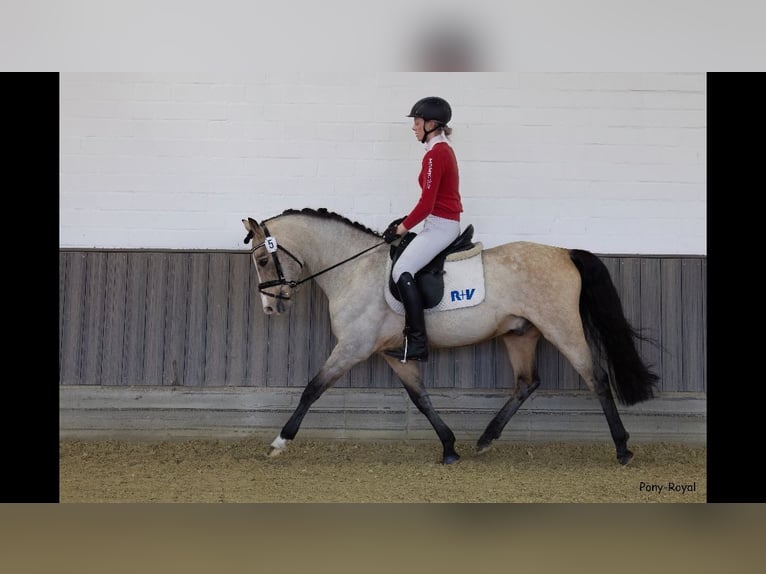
(532, 290)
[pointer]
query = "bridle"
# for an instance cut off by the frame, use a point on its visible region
(273, 247)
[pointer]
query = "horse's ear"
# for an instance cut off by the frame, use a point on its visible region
(251, 225)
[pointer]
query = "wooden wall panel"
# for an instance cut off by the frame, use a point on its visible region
(671, 301)
(217, 320)
(114, 318)
(485, 359)
(691, 325)
(93, 319)
(154, 332)
(238, 312)
(135, 336)
(195, 319)
(72, 281)
(703, 358)
(196, 313)
(176, 308)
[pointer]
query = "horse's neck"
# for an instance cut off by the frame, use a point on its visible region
(324, 244)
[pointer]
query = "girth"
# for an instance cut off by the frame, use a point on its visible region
(430, 279)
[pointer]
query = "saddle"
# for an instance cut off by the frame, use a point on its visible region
(430, 279)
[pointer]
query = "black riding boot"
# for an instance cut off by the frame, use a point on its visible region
(415, 347)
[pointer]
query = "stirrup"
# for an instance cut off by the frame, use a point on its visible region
(404, 353)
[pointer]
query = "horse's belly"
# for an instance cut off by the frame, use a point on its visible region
(458, 328)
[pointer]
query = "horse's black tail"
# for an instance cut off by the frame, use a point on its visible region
(606, 326)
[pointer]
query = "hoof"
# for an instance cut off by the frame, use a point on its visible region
(625, 458)
(482, 448)
(451, 458)
(277, 446)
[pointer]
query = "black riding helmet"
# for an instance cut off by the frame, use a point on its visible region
(432, 108)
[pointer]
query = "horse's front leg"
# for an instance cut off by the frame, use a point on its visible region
(409, 373)
(342, 358)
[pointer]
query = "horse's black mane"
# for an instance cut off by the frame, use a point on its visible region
(324, 214)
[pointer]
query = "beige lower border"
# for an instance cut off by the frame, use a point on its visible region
(342, 413)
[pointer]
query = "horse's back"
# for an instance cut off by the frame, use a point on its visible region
(531, 259)
(532, 273)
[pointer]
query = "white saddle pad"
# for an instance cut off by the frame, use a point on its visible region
(463, 283)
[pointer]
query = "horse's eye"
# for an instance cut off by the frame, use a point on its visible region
(263, 261)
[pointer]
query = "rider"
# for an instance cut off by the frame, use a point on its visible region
(439, 209)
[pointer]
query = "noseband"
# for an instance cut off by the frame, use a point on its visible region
(271, 245)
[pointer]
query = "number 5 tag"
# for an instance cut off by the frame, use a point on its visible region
(271, 244)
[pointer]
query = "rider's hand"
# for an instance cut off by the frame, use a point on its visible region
(390, 235)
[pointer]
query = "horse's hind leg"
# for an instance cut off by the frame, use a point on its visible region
(576, 350)
(409, 373)
(619, 435)
(521, 351)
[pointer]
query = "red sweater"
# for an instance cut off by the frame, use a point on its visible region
(439, 185)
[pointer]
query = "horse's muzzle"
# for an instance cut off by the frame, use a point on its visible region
(278, 304)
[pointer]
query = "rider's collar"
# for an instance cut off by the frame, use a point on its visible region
(435, 140)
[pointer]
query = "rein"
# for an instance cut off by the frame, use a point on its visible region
(273, 247)
(295, 284)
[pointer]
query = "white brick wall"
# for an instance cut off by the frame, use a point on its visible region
(614, 163)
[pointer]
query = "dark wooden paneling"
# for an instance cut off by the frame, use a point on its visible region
(114, 318)
(196, 319)
(381, 375)
(277, 346)
(447, 368)
(93, 319)
(174, 369)
(196, 334)
(239, 318)
(672, 325)
(703, 358)
(484, 359)
(691, 321)
(135, 320)
(62, 304)
(216, 323)
(72, 270)
(359, 376)
(154, 333)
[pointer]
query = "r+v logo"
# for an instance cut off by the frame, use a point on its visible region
(461, 295)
